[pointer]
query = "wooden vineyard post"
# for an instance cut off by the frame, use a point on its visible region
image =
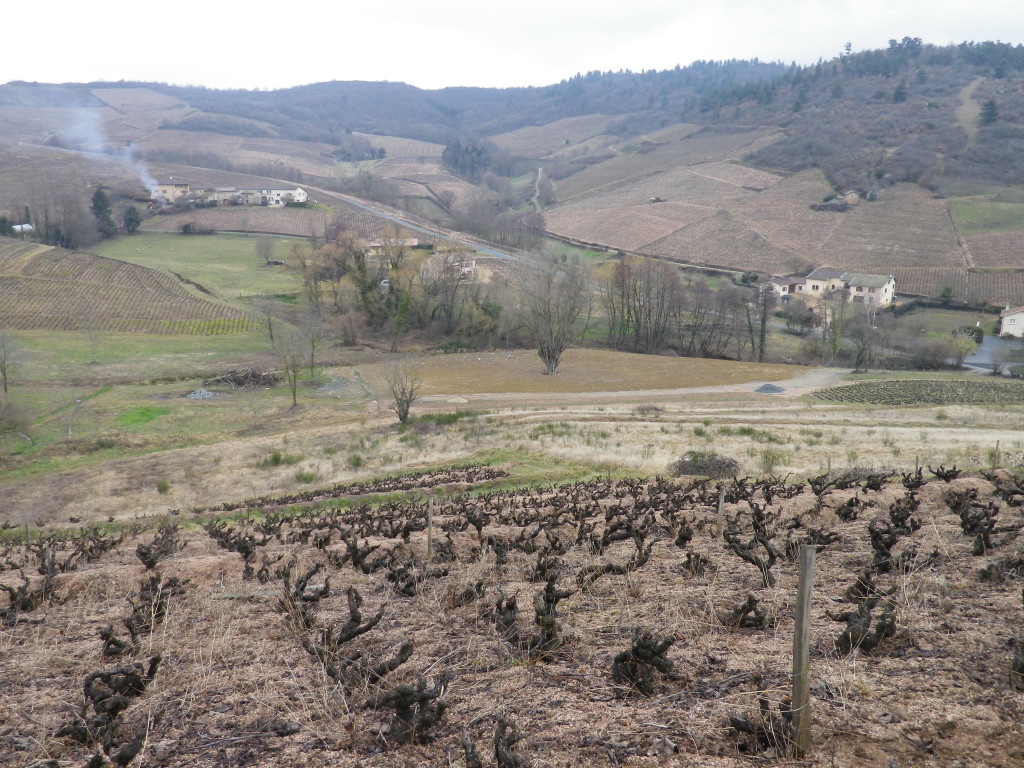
(720, 517)
(430, 530)
(802, 654)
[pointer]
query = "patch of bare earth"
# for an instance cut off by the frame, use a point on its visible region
(581, 371)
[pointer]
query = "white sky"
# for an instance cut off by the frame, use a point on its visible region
(439, 43)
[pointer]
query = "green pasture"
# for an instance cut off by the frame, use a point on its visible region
(66, 356)
(225, 265)
(941, 322)
(974, 216)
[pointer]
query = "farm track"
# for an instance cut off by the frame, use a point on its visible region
(797, 386)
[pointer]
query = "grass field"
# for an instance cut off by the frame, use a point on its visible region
(979, 216)
(225, 265)
(48, 356)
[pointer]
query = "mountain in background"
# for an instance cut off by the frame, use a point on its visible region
(920, 149)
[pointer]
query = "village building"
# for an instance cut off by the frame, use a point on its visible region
(172, 190)
(169, 190)
(857, 287)
(1011, 322)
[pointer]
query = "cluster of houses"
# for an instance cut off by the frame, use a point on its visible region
(856, 287)
(171, 190)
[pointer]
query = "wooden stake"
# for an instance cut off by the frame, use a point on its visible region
(802, 654)
(720, 517)
(430, 530)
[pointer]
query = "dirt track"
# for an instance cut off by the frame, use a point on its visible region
(796, 386)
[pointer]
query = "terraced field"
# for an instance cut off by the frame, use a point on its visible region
(629, 227)
(545, 140)
(997, 249)
(309, 157)
(302, 222)
(639, 159)
(725, 240)
(403, 148)
(53, 289)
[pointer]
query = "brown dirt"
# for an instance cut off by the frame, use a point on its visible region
(935, 694)
(581, 371)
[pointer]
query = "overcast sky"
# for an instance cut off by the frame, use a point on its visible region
(439, 43)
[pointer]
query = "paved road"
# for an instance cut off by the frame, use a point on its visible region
(992, 348)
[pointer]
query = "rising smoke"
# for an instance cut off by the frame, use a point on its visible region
(86, 134)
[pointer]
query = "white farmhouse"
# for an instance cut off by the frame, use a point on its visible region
(1011, 322)
(857, 287)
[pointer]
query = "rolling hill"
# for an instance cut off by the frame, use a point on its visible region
(716, 164)
(45, 288)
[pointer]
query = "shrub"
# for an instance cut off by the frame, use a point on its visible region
(354, 460)
(276, 459)
(706, 463)
(770, 458)
(162, 486)
(305, 476)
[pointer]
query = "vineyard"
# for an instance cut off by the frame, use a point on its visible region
(549, 139)
(637, 161)
(602, 623)
(300, 222)
(727, 241)
(297, 222)
(931, 391)
(68, 291)
(628, 227)
(997, 249)
(397, 147)
(309, 157)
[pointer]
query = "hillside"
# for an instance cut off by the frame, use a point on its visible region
(711, 164)
(50, 289)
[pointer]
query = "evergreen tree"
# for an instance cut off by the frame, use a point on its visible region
(131, 219)
(899, 94)
(989, 112)
(101, 212)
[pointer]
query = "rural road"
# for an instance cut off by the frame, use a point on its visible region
(802, 384)
(420, 227)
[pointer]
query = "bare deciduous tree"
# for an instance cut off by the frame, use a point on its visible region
(291, 348)
(961, 346)
(265, 247)
(555, 296)
(403, 383)
(8, 356)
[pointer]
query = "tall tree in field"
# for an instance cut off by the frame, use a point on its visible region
(8, 353)
(101, 213)
(642, 297)
(555, 297)
(403, 382)
(265, 248)
(291, 347)
(757, 315)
